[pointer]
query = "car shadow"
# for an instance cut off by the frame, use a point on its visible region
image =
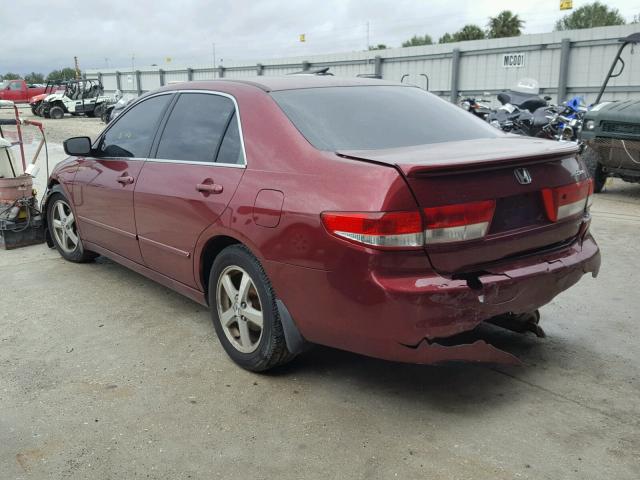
(463, 387)
(459, 386)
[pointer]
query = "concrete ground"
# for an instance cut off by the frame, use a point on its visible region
(106, 375)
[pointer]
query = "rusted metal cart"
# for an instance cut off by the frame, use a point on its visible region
(21, 221)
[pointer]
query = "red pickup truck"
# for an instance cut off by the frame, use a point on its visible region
(18, 91)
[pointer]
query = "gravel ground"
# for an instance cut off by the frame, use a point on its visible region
(104, 374)
(59, 130)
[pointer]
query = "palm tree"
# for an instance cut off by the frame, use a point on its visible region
(505, 24)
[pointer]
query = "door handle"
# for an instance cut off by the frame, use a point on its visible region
(125, 179)
(209, 188)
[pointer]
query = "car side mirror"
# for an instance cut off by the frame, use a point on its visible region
(547, 98)
(77, 146)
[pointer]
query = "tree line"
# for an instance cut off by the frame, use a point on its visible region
(508, 24)
(35, 77)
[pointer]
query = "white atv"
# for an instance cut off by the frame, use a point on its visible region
(80, 97)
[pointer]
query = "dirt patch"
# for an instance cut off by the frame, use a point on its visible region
(56, 130)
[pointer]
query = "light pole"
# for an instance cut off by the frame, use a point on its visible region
(213, 46)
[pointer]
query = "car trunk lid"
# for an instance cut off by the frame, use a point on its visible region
(476, 172)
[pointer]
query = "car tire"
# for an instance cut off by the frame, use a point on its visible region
(241, 297)
(56, 112)
(106, 115)
(99, 110)
(63, 230)
(594, 167)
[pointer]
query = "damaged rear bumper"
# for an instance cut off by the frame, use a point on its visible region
(498, 296)
(425, 317)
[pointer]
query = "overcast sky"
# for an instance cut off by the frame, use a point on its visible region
(38, 35)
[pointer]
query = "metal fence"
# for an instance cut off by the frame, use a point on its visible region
(565, 63)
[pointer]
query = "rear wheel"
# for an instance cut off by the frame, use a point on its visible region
(594, 167)
(244, 311)
(64, 232)
(99, 110)
(56, 112)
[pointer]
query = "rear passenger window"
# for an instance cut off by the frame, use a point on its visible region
(231, 148)
(195, 127)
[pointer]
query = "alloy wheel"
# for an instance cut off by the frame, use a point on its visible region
(239, 309)
(64, 226)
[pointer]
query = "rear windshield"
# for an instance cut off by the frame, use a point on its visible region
(377, 117)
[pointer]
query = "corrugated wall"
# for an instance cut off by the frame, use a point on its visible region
(479, 66)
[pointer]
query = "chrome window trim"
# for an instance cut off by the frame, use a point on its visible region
(189, 162)
(126, 159)
(240, 131)
(192, 162)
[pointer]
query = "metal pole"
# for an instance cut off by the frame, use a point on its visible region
(378, 66)
(455, 72)
(610, 74)
(213, 45)
(565, 50)
(24, 164)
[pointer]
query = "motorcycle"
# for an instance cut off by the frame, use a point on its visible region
(476, 106)
(524, 112)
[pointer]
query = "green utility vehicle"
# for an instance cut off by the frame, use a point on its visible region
(611, 131)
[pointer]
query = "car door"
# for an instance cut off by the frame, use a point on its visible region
(104, 184)
(197, 164)
(15, 92)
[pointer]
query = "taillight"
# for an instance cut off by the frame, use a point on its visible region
(458, 222)
(377, 229)
(567, 200)
(590, 196)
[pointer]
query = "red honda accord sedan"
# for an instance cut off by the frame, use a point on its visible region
(360, 214)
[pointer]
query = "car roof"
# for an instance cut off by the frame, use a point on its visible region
(290, 82)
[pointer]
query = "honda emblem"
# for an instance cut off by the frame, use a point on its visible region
(523, 176)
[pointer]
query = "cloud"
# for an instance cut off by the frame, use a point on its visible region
(41, 36)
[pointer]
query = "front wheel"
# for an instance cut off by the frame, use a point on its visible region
(56, 112)
(244, 311)
(594, 167)
(64, 232)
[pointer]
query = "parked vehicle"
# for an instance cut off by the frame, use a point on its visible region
(361, 214)
(19, 91)
(612, 131)
(568, 118)
(36, 101)
(554, 122)
(476, 106)
(116, 106)
(80, 97)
